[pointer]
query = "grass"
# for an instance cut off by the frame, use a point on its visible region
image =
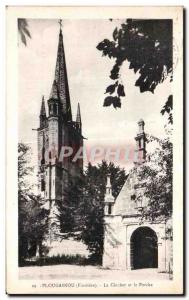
(57, 260)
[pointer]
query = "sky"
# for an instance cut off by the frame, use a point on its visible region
(88, 77)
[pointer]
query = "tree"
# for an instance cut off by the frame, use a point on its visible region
(32, 217)
(69, 207)
(23, 169)
(157, 175)
(23, 30)
(82, 209)
(91, 209)
(147, 46)
(167, 108)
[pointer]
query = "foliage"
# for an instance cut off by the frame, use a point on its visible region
(23, 30)
(69, 218)
(91, 209)
(147, 46)
(32, 217)
(56, 260)
(157, 175)
(23, 169)
(167, 108)
(82, 210)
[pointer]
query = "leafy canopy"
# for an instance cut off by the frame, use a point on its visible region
(23, 30)
(147, 46)
(82, 211)
(32, 217)
(157, 175)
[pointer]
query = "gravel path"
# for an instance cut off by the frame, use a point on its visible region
(73, 272)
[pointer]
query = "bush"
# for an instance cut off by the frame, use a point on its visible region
(57, 260)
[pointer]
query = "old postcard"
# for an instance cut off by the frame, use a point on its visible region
(94, 150)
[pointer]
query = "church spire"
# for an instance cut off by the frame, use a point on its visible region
(61, 79)
(43, 116)
(43, 110)
(54, 91)
(78, 117)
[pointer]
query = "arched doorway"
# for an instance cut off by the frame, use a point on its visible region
(144, 248)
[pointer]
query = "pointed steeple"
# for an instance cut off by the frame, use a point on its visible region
(78, 116)
(43, 110)
(54, 91)
(61, 78)
(43, 116)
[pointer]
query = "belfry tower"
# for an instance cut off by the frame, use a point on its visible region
(56, 131)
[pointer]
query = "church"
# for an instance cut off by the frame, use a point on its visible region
(57, 129)
(129, 242)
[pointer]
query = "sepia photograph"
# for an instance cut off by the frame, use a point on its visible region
(98, 131)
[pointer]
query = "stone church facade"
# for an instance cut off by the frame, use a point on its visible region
(57, 130)
(129, 242)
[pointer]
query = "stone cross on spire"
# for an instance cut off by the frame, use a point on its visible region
(60, 22)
